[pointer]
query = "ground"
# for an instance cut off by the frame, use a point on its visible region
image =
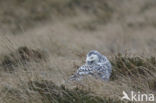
(62, 33)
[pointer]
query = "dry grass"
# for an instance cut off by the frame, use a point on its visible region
(19, 15)
(36, 83)
(21, 57)
(52, 38)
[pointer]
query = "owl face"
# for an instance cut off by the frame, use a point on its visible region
(92, 59)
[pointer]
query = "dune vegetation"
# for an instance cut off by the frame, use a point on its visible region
(43, 42)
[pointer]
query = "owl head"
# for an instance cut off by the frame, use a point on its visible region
(93, 57)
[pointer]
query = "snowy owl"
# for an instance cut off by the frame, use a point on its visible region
(96, 65)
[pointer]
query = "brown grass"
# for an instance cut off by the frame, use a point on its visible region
(53, 37)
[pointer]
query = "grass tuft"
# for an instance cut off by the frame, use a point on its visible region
(21, 56)
(55, 94)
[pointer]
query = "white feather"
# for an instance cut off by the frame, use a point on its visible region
(96, 65)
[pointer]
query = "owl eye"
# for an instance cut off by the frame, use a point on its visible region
(91, 58)
(92, 62)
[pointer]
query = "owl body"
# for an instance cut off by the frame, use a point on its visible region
(96, 65)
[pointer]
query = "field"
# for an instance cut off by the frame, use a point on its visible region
(43, 42)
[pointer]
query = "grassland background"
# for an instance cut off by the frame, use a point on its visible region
(62, 32)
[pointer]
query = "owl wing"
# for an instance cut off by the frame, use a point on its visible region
(104, 71)
(83, 70)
